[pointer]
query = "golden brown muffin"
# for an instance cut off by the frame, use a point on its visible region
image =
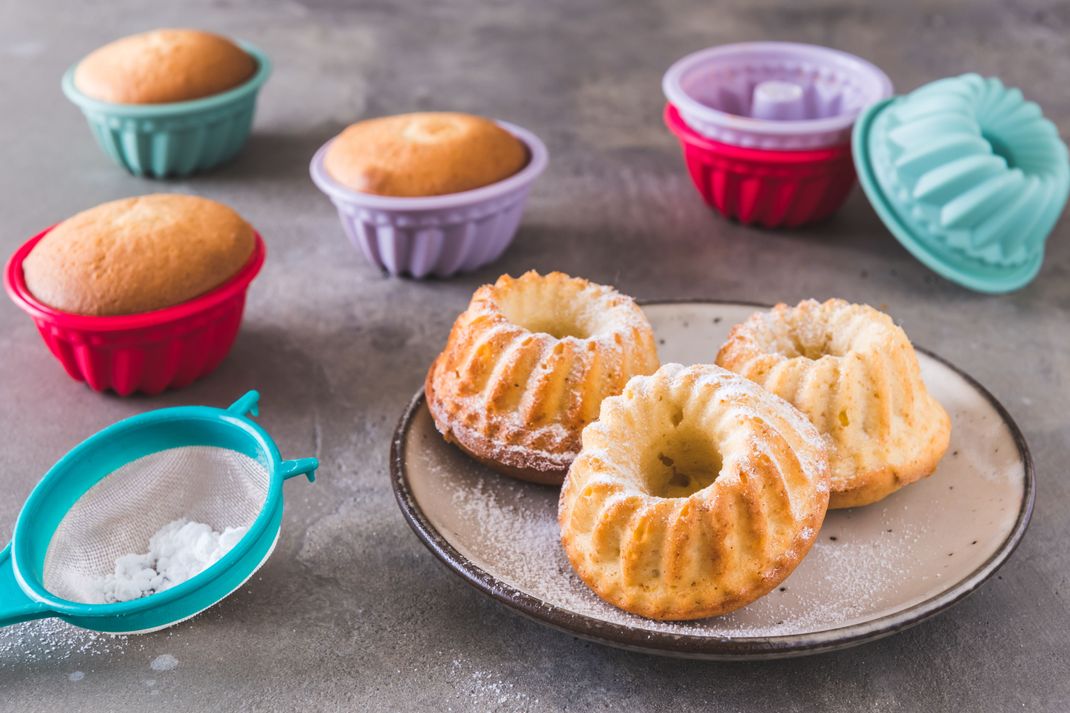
(138, 255)
(426, 154)
(696, 492)
(163, 66)
(526, 368)
(854, 373)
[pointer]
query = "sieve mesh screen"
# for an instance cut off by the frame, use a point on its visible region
(117, 516)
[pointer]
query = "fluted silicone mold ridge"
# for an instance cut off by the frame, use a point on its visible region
(969, 176)
(773, 189)
(436, 235)
(175, 139)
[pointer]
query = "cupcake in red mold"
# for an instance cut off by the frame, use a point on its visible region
(766, 127)
(141, 294)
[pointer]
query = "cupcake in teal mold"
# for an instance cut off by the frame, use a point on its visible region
(169, 102)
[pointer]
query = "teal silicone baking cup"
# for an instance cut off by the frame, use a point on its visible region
(968, 176)
(178, 138)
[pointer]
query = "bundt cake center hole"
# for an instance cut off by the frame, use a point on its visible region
(559, 317)
(682, 464)
(813, 347)
(557, 328)
(811, 352)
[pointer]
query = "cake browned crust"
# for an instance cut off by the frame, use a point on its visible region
(423, 154)
(163, 66)
(138, 254)
(854, 373)
(527, 365)
(696, 492)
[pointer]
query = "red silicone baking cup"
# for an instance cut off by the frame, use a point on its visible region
(774, 189)
(146, 352)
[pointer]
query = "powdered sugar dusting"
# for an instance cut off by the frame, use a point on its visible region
(52, 640)
(176, 552)
(515, 529)
(164, 662)
(736, 400)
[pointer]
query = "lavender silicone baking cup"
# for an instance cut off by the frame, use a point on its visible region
(435, 235)
(778, 96)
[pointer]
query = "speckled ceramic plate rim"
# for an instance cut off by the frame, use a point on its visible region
(710, 647)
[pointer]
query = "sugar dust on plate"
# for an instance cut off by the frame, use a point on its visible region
(177, 551)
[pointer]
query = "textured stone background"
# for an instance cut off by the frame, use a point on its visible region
(352, 611)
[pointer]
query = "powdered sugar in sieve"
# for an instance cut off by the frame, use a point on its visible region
(214, 487)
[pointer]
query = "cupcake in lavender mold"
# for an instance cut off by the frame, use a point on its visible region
(430, 193)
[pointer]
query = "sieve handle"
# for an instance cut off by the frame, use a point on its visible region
(247, 404)
(15, 606)
(301, 466)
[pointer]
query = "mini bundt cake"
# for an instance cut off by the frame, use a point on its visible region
(855, 375)
(696, 492)
(526, 368)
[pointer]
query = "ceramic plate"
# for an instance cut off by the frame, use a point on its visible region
(872, 571)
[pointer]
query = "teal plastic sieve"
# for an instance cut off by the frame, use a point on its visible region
(112, 492)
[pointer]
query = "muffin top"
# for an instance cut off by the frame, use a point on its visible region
(138, 255)
(163, 66)
(424, 154)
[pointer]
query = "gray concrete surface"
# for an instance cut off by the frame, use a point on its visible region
(352, 612)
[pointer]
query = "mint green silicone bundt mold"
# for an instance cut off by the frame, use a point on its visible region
(969, 176)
